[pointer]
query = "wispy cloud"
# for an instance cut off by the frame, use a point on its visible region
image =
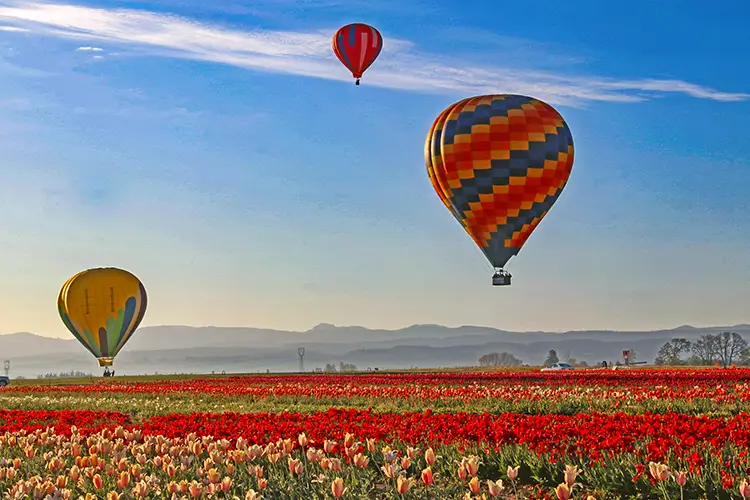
(400, 66)
(89, 49)
(13, 29)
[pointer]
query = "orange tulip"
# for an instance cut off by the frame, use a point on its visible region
(123, 480)
(348, 440)
(226, 483)
(571, 473)
(427, 477)
(361, 460)
(74, 473)
(303, 441)
(329, 446)
(474, 485)
(403, 484)
(659, 472)
(389, 470)
(562, 492)
(472, 465)
(337, 487)
(462, 472)
(495, 487)
(195, 489)
(429, 456)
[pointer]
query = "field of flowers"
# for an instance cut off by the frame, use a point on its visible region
(592, 434)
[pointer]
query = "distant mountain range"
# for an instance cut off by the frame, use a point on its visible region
(185, 349)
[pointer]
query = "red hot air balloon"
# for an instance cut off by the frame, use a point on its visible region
(357, 46)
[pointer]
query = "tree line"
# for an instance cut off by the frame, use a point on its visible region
(725, 349)
(70, 374)
(343, 367)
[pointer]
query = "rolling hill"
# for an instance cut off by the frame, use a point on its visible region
(176, 349)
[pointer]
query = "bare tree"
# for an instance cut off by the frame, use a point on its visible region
(745, 357)
(491, 359)
(731, 345)
(707, 348)
(502, 359)
(671, 352)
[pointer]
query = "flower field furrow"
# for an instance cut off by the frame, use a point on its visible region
(567, 386)
(565, 403)
(691, 379)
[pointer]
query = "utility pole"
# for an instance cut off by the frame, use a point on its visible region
(301, 353)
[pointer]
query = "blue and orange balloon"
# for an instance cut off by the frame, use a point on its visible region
(357, 46)
(102, 308)
(498, 163)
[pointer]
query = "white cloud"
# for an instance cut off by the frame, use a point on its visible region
(89, 49)
(14, 29)
(400, 66)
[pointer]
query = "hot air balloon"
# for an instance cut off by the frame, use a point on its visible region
(102, 308)
(498, 163)
(357, 46)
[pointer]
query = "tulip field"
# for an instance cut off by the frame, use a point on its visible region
(586, 434)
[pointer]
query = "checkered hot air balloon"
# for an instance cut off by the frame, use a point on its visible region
(498, 163)
(357, 46)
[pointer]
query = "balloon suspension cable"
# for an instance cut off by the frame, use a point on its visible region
(357, 82)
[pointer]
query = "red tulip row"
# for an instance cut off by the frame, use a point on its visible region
(652, 436)
(721, 386)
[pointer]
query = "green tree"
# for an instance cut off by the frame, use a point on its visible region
(551, 358)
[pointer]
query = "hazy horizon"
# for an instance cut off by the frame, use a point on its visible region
(223, 155)
(67, 336)
(178, 349)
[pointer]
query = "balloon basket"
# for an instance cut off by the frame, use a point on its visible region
(501, 278)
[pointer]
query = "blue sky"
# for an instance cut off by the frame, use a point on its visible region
(221, 152)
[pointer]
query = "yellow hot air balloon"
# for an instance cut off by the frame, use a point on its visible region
(102, 308)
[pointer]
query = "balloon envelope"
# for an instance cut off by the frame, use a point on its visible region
(102, 308)
(357, 46)
(499, 163)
